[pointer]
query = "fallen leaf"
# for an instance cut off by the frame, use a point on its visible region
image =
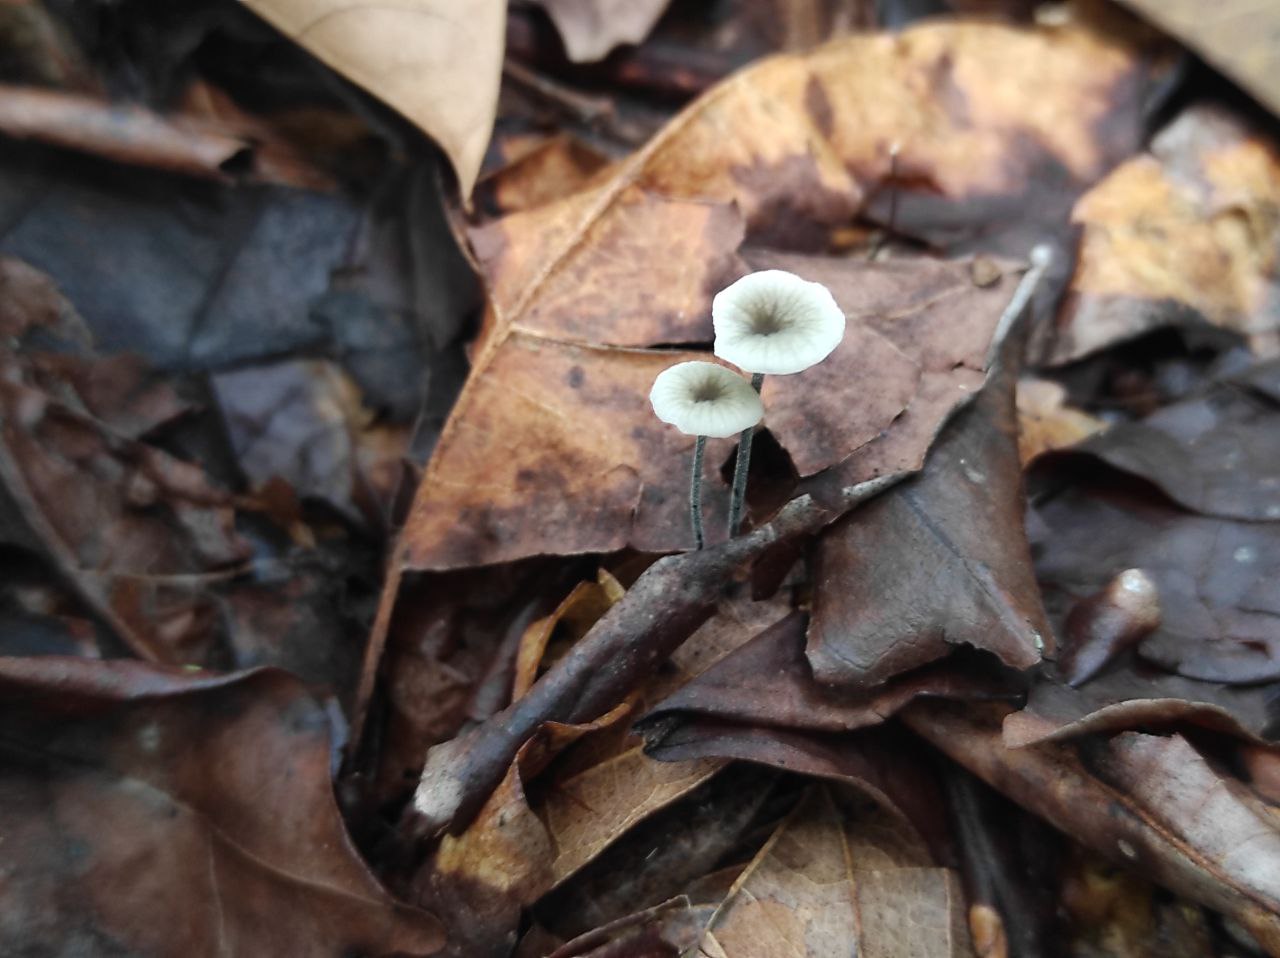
(1232, 36)
(1214, 577)
(1047, 422)
(591, 28)
(821, 886)
(543, 172)
(170, 813)
(1214, 453)
(678, 850)
(1138, 699)
(939, 560)
(1167, 811)
(133, 134)
(768, 682)
(1183, 235)
(424, 58)
(634, 261)
(797, 896)
(301, 421)
(135, 530)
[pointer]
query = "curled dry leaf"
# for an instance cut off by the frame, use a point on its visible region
(1167, 810)
(1132, 698)
(552, 420)
(435, 62)
(135, 135)
(1101, 626)
(937, 561)
(172, 814)
(589, 799)
(768, 682)
(1184, 234)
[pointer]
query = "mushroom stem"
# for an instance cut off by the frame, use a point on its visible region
(738, 497)
(695, 492)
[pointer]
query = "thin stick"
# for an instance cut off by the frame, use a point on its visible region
(738, 497)
(695, 492)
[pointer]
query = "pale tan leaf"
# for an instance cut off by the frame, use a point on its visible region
(588, 812)
(1236, 36)
(591, 28)
(438, 63)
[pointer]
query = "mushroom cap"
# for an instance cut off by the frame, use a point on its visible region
(705, 399)
(775, 322)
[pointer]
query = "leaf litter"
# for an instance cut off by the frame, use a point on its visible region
(549, 727)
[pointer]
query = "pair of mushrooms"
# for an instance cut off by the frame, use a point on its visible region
(767, 322)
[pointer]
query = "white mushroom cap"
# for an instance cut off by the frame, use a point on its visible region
(705, 399)
(775, 322)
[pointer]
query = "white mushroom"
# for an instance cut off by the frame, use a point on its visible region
(705, 399)
(775, 322)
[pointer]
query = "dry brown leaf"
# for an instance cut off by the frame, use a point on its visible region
(796, 896)
(939, 560)
(825, 884)
(591, 28)
(1046, 422)
(550, 447)
(1236, 36)
(1185, 233)
(438, 63)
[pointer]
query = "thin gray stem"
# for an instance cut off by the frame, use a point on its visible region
(738, 497)
(695, 492)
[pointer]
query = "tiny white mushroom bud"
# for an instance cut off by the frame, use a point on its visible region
(705, 399)
(775, 322)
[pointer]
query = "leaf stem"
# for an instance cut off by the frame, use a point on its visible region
(738, 497)
(695, 492)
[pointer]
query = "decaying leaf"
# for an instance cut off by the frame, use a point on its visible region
(825, 883)
(1214, 577)
(436, 63)
(1136, 698)
(1183, 235)
(768, 682)
(939, 560)
(1167, 810)
(789, 146)
(173, 814)
(1215, 452)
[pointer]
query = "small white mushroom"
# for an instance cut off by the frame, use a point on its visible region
(775, 322)
(705, 399)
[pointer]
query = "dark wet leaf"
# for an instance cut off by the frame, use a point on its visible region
(768, 682)
(1215, 578)
(160, 812)
(1217, 453)
(1130, 697)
